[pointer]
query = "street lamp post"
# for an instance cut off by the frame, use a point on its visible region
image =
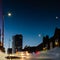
(2, 30)
(8, 14)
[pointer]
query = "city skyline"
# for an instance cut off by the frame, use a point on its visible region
(30, 18)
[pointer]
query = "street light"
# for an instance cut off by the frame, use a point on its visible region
(57, 17)
(39, 35)
(56, 43)
(9, 14)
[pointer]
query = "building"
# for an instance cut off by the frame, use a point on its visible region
(9, 50)
(1, 29)
(55, 40)
(17, 43)
(39, 47)
(30, 49)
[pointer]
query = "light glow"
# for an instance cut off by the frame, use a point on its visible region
(57, 17)
(9, 14)
(56, 43)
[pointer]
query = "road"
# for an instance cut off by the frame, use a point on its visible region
(27, 56)
(23, 56)
(32, 58)
(53, 54)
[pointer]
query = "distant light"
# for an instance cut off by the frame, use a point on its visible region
(27, 53)
(44, 48)
(57, 17)
(39, 35)
(56, 43)
(9, 14)
(37, 52)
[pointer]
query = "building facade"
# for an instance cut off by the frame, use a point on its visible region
(9, 50)
(17, 43)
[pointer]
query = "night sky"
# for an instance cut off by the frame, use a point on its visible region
(0, 15)
(30, 18)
